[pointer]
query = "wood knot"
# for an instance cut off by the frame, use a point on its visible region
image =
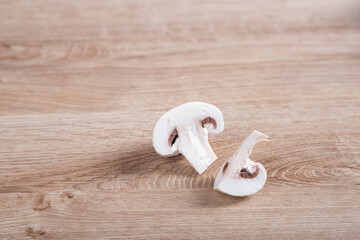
(66, 195)
(69, 195)
(5, 45)
(40, 204)
(33, 233)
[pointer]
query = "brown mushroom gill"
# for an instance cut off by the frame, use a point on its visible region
(244, 173)
(173, 137)
(209, 120)
(225, 166)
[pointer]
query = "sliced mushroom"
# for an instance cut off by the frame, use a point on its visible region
(239, 176)
(184, 129)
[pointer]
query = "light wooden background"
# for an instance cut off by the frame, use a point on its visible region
(82, 84)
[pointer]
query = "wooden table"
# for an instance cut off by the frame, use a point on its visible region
(82, 84)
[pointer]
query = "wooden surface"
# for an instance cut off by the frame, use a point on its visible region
(82, 84)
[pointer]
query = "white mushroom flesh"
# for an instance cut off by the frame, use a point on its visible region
(193, 144)
(185, 130)
(239, 176)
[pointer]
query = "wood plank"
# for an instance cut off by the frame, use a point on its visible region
(174, 212)
(82, 84)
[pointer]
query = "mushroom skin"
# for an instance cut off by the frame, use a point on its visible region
(239, 176)
(185, 129)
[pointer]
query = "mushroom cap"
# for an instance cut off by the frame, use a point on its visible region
(184, 115)
(232, 180)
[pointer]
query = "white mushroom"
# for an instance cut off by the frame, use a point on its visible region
(184, 129)
(239, 176)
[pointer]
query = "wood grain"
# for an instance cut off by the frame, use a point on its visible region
(82, 84)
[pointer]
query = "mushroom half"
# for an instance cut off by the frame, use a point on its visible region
(184, 129)
(239, 176)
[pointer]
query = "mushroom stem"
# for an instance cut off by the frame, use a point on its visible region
(193, 144)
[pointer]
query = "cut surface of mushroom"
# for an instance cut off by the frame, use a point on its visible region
(184, 129)
(239, 176)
